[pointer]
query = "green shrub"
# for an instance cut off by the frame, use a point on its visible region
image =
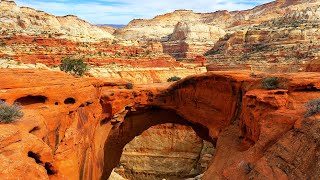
(270, 83)
(174, 78)
(313, 107)
(74, 66)
(129, 86)
(253, 75)
(8, 113)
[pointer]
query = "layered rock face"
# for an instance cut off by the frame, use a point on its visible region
(79, 131)
(144, 75)
(186, 34)
(191, 38)
(32, 37)
(286, 43)
(51, 50)
(24, 20)
(165, 151)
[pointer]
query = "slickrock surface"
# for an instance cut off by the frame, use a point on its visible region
(55, 136)
(76, 127)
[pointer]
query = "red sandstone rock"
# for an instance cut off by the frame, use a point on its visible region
(70, 122)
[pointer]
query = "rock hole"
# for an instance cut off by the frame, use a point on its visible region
(34, 129)
(280, 92)
(49, 168)
(69, 101)
(35, 156)
(28, 100)
(56, 103)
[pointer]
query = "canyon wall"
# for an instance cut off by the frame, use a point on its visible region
(186, 34)
(144, 75)
(162, 151)
(51, 50)
(290, 41)
(281, 35)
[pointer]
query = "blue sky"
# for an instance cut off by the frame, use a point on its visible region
(123, 11)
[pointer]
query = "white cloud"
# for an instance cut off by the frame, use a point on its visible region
(122, 11)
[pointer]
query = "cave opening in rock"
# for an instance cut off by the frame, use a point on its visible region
(70, 101)
(29, 100)
(157, 143)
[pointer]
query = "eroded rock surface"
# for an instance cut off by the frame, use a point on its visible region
(71, 123)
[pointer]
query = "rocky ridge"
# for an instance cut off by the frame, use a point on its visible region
(186, 34)
(28, 21)
(291, 41)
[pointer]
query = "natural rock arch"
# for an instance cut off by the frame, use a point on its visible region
(208, 102)
(133, 125)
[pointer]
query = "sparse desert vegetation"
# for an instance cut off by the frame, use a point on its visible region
(313, 107)
(173, 78)
(74, 66)
(10, 113)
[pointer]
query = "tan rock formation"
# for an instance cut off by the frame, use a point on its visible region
(163, 151)
(288, 42)
(144, 75)
(192, 28)
(25, 20)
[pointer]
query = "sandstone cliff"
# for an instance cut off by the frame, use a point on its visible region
(186, 34)
(28, 21)
(291, 41)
